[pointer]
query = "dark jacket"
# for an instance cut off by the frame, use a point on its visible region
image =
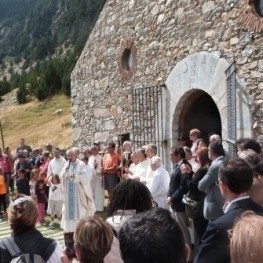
(178, 187)
(22, 185)
(192, 185)
(215, 242)
(29, 241)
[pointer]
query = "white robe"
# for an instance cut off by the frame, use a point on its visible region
(159, 187)
(97, 183)
(83, 203)
(56, 165)
(140, 171)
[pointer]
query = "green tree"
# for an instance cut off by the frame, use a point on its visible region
(4, 87)
(22, 94)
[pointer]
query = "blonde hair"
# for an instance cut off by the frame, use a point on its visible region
(245, 243)
(93, 238)
(22, 214)
(195, 132)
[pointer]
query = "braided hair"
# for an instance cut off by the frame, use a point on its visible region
(129, 195)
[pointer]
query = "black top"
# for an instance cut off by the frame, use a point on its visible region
(22, 185)
(215, 242)
(192, 185)
(29, 241)
(177, 187)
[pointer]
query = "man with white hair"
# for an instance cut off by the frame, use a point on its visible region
(215, 138)
(159, 184)
(78, 199)
(150, 151)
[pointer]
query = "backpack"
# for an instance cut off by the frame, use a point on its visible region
(19, 257)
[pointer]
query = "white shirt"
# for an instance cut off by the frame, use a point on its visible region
(149, 174)
(159, 186)
(55, 257)
(56, 192)
(95, 159)
(233, 201)
(140, 171)
(56, 165)
(90, 171)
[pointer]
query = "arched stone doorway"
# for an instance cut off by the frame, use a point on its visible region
(196, 80)
(199, 111)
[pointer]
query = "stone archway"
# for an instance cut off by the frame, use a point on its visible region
(203, 74)
(199, 111)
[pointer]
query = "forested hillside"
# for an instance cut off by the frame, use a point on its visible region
(40, 42)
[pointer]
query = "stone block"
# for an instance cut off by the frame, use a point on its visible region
(101, 136)
(252, 65)
(209, 33)
(104, 83)
(208, 7)
(260, 65)
(155, 10)
(256, 74)
(260, 85)
(160, 19)
(109, 125)
(98, 113)
(234, 41)
(241, 60)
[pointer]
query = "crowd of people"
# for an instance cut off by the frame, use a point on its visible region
(150, 211)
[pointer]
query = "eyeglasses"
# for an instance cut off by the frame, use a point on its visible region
(218, 181)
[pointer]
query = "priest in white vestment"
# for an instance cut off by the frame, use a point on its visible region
(78, 199)
(159, 184)
(95, 161)
(150, 151)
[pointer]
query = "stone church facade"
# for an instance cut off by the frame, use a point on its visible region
(152, 70)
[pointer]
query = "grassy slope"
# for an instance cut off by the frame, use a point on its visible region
(38, 123)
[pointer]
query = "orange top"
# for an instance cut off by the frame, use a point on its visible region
(2, 185)
(111, 163)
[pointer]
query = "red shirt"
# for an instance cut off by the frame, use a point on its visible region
(111, 162)
(2, 185)
(4, 162)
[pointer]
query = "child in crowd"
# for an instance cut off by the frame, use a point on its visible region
(55, 199)
(2, 192)
(41, 200)
(32, 182)
(22, 183)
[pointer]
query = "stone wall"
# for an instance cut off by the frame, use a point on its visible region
(164, 32)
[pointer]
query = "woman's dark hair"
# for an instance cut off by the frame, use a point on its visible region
(248, 143)
(38, 182)
(203, 156)
(56, 177)
(129, 195)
